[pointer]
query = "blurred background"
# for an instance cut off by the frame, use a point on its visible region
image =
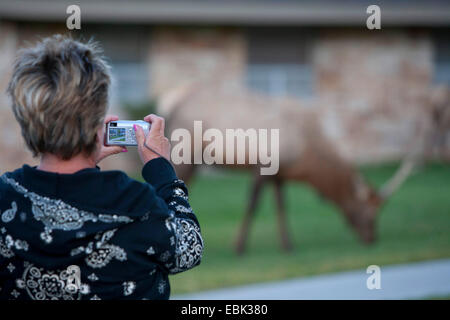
(378, 92)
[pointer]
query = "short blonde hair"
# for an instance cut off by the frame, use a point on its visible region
(59, 92)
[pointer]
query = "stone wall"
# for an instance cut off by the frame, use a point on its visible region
(13, 151)
(374, 86)
(212, 55)
(371, 86)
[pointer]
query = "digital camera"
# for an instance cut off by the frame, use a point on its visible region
(121, 132)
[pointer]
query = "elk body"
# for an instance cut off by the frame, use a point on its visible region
(308, 154)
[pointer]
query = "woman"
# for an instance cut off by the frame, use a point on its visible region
(67, 229)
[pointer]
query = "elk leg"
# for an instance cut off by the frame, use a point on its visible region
(286, 243)
(243, 232)
(185, 172)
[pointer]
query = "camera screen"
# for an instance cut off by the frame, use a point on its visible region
(117, 134)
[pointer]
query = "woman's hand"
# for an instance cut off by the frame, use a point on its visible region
(106, 151)
(155, 144)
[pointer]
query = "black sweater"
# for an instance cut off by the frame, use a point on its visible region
(120, 237)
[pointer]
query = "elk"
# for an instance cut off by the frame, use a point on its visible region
(439, 112)
(308, 154)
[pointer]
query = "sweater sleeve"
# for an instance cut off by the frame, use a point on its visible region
(179, 244)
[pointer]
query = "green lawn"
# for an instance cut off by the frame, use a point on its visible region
(414, 225)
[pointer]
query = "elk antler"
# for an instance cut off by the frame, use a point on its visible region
(397, 179)
(405, 169)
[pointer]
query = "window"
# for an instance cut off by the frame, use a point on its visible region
(126, 48)
(279, 62)
(442, 58)
(130, 82)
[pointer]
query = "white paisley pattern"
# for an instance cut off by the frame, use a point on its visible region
(181, 248)
(178, 192)
(128, 287)
(50, 285)
(55, 214)
(93, 277)
(161, 286)
(10, 214)
(189, 243)
(103, 252)
(5, 251)
(8, 243)
(183, 209)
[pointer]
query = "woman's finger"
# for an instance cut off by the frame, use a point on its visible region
(140, 135)
(157, 123)
(113, 150)
(110, 118)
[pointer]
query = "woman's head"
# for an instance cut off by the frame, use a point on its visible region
(59, 92)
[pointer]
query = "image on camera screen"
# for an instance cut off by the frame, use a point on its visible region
(117, 134)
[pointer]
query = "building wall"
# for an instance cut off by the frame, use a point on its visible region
(370, 86)
(12, 154)
(377, 87)
(213, 55)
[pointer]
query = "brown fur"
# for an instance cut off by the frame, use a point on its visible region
(307, 154)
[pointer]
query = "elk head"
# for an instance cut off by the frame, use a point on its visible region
(364, 202)
(361, 207)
